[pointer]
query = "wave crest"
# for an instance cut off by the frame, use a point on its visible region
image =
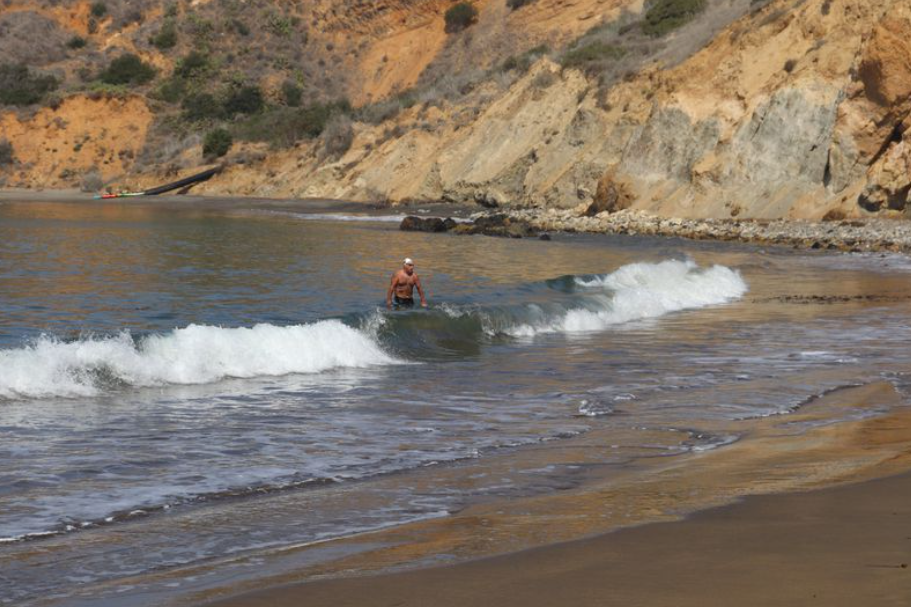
(638, 291)
(195, 354)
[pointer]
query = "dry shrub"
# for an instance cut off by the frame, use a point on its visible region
(7, 156)
(91, 181)
(338, 135)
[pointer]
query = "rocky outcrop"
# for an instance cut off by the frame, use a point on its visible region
(889, 181)
(426, 224)
(793, 111)
(611, 196)
(499, 224)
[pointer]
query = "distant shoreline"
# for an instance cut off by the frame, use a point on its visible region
(847, 235)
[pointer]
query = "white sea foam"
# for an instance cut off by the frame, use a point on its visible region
(639, 291)
(192, 355)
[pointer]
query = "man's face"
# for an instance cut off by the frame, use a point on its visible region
(409, 268)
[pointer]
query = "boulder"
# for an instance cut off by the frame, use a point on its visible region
(413, 223)
(611, 196)
(497, 225)
(889, 181)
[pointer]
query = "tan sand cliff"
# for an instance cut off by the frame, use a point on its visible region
(793, 109)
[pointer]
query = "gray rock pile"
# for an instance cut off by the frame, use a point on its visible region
(850, 235)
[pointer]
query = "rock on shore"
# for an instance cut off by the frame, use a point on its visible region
(842, 235)
(499, 224)
(851, 235)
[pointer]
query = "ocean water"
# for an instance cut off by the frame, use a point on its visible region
(177, 386)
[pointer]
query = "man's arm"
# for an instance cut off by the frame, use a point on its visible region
(390, 289)
(417, 284)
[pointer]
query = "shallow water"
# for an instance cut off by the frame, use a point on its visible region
(178, 386)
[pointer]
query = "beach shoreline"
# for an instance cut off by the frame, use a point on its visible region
(846, 545)
(879, 235)
(843, 235)
(698, 520)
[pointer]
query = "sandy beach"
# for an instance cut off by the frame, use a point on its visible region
(845, 546)
(848, 544)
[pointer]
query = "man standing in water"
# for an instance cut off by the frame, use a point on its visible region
(401, 288)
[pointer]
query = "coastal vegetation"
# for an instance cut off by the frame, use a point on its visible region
(19, 85)
(76, 42)
(589, 56)
(127, 69)
(166, 38)
(664, 16)
(460, 16)
(217, 143)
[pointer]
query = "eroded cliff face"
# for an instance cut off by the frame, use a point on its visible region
(797, 110)
(791, 108)
(79, 140)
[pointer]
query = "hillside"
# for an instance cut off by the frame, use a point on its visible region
(690, 108)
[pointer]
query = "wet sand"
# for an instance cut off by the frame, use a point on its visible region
(846, 546)
(841, 545)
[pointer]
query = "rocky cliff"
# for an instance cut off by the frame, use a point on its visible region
(752, 109)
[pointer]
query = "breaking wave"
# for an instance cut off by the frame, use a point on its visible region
(195, 354)
(201, 354)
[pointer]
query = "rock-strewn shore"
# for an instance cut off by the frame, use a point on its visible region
(847, 235)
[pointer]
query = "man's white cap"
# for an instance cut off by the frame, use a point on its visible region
(408, 262)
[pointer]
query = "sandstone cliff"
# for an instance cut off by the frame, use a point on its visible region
(789, 108)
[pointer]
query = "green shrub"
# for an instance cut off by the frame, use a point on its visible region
(586, 56)
(515, 4)
(663, 16)
(240, 27)
(6, 153)
(199, 28)
(127, 69)
(460, 16)
(99, 9)
(279, 24)
(19, 86)
(193, 65)
(285, 126)
(171, 90)
(217, 143)
(76, 42)
(166, 37)
(244, 100)
(292, 93)
(200, 107)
